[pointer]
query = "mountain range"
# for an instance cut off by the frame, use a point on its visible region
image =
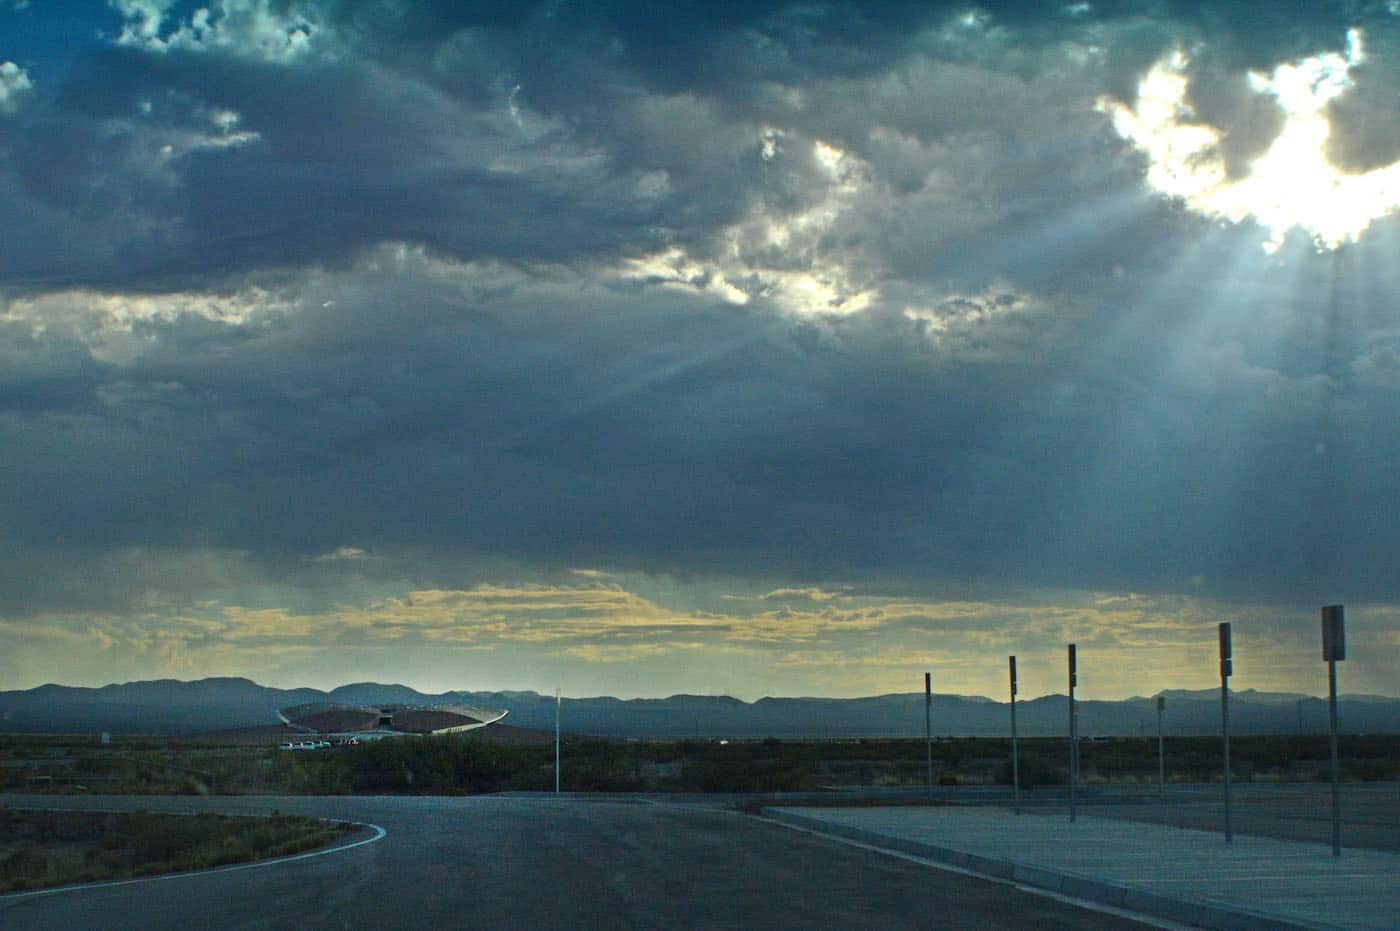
(175, 708)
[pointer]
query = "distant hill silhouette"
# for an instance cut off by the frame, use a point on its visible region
(171, 707)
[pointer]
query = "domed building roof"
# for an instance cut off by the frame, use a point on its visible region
(327, 718)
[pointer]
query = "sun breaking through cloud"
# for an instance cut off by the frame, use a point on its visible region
(1293, 184)
(762, 348)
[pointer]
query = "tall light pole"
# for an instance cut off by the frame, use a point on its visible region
(1334, 648)
(1073, 733)
(928, 731)
(1015, 764)
(1227, 667)
(1161, 751)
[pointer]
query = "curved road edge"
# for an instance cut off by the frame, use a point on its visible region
(379, 834)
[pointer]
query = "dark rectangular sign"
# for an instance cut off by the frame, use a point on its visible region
(1334, 634)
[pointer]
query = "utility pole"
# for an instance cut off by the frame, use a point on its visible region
(1015, 764)
(1334, 648)
(1161, 751)
(928, 730)
(1073, 735)
(1227, 668)
(558, 701)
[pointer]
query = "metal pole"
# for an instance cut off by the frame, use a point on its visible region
(557, 703)
(1334, 648)
(1226, 668)
(1225, 730)
(1336, 787)
(1074, 713)
(1073, 737)
(1161, 751)
(928, 730)
(1015, 764)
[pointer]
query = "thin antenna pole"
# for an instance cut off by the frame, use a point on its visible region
(1015, 764)
(1227, 668)
(928, 729)
(1334, 648)
(1073, 735)
(1336, 790)
(1161, 751)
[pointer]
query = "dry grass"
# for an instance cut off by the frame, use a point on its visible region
(55, 848)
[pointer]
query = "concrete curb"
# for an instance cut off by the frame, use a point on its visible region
(1193, 911)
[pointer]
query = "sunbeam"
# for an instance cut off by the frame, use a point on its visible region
(313, 318)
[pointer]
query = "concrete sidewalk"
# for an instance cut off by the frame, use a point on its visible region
(1181, 875)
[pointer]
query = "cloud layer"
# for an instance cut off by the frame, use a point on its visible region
(310, 311)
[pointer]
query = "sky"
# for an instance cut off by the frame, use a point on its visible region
(753, 348)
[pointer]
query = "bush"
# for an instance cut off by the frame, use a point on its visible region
(1033, 771)
(143, 844)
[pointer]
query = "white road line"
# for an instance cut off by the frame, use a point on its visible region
(1222, 877)
(379, 834)
(962, 871)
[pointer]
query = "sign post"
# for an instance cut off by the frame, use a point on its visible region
(1161, 751)
(928, 730)
(1073, 735)
(1015, 764)
(1227, 668)
(1334, 648)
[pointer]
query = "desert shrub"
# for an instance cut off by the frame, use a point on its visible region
(1033, 771)
(69, 847)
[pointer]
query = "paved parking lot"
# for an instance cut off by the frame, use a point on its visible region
(1181, 874)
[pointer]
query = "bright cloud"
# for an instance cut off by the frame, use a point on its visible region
(343, 554)
(117, 328)
(801, 594)
(15, 85)
(1292, 185)
(609, 625)
(254, 28)
(779, 257)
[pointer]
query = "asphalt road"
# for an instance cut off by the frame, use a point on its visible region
(493, 862)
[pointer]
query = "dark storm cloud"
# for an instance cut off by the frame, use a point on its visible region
(1366, 121)
(304, 174)
(412, 130)
(568, 423)
(1062, 381)
(558, 131)
(39, 372)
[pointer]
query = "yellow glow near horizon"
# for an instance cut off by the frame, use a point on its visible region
(1292, 184)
